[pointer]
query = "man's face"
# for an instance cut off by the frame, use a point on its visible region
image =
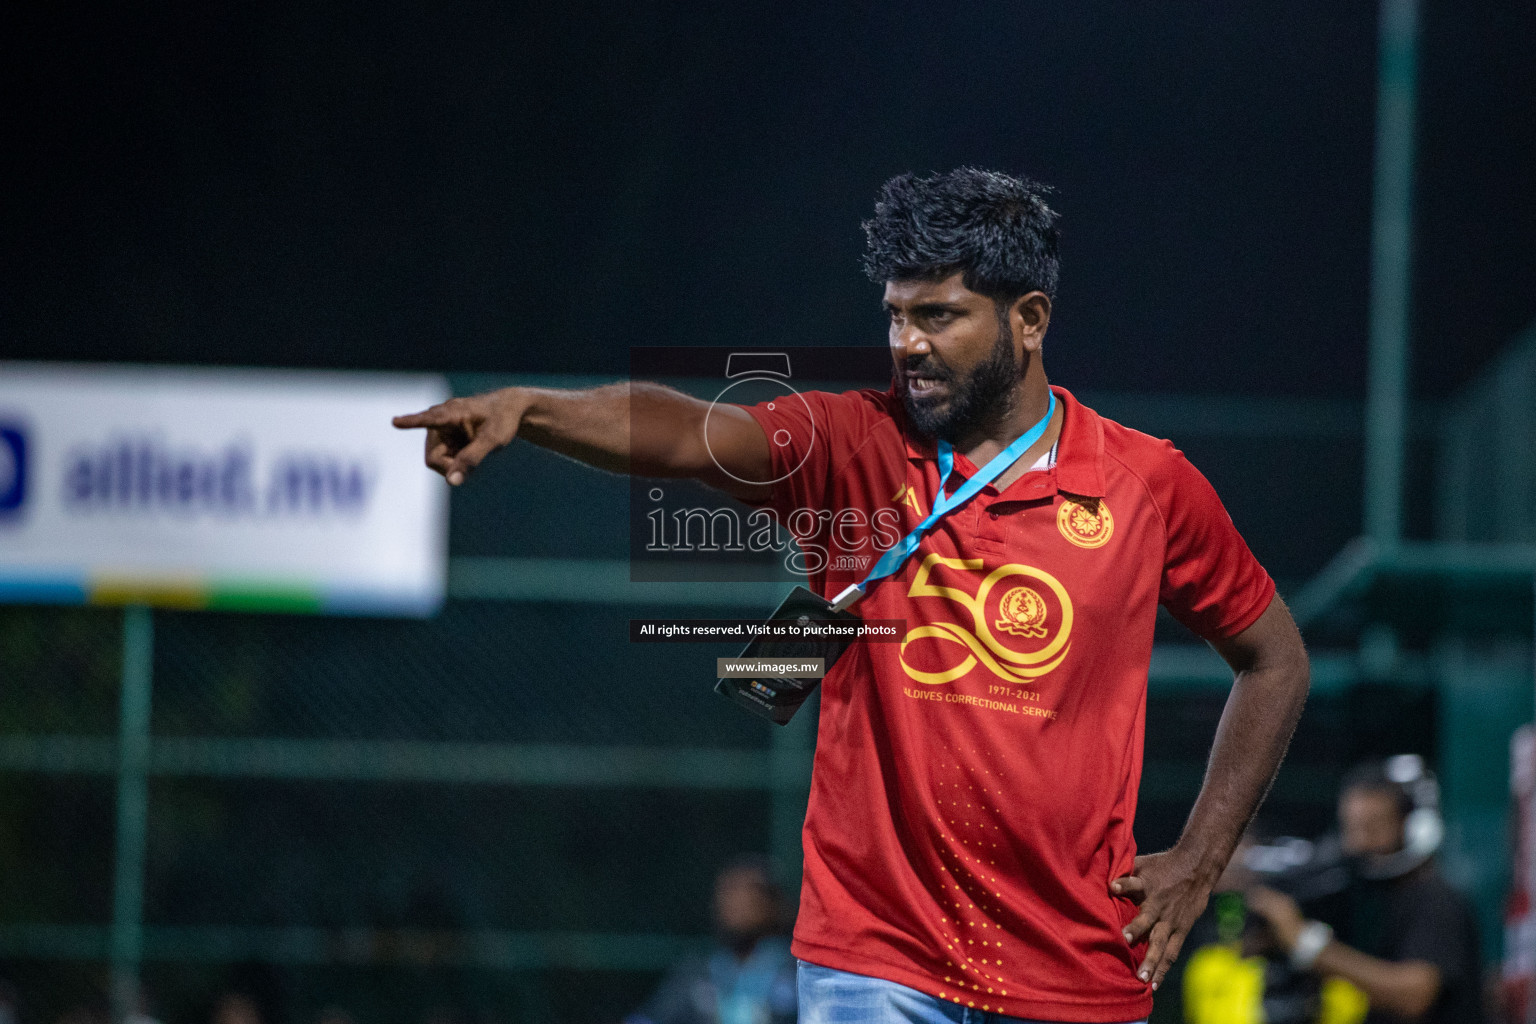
(955, 365)
(1370, 821)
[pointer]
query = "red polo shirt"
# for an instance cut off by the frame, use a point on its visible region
(975, 785)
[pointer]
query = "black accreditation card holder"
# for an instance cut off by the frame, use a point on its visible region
(761, 679)
(761, 689)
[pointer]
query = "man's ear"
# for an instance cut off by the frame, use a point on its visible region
(1028, 318)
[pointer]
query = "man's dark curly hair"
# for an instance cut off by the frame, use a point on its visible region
(993, 229)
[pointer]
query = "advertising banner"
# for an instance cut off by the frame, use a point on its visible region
(210, 488)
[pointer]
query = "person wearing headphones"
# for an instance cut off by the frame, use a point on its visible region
(1417, 957)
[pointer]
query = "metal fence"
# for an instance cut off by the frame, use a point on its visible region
(508, 809)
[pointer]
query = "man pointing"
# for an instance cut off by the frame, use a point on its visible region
(968, 846)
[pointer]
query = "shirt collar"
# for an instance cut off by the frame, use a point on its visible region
(1079, 466)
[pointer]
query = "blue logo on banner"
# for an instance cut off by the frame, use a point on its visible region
(13, 469)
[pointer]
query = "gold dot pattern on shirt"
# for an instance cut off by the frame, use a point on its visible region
(969, 889)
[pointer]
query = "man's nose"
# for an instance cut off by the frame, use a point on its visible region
(909, 341)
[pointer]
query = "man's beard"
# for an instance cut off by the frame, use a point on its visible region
(987, 393)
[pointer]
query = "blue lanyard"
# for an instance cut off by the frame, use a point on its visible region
(897, 556)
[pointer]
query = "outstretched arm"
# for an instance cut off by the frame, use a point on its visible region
(1261, 712)
(636, 428)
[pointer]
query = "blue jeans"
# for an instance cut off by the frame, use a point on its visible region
(830, 996)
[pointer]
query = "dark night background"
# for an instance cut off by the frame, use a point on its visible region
(514, 187)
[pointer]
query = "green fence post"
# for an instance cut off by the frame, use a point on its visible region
(127, 935)
(1386, 421)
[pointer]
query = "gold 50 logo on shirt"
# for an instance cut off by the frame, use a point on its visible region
(1020, 629)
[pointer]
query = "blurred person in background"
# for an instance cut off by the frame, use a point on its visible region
(1238, 974)
(252, 993)
(749, 977)
(235, 1008)
(95, 1008)
(1413, 947)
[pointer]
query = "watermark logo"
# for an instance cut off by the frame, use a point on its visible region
(804, 541)
(681, 530)
(753, 374)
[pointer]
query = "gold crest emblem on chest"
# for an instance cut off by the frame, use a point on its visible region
(1023, 613)
(1085, 522)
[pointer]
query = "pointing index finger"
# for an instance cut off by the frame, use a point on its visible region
(433, 417)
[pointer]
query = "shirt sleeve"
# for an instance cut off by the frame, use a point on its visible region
(811, 437)
(1211, 581)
